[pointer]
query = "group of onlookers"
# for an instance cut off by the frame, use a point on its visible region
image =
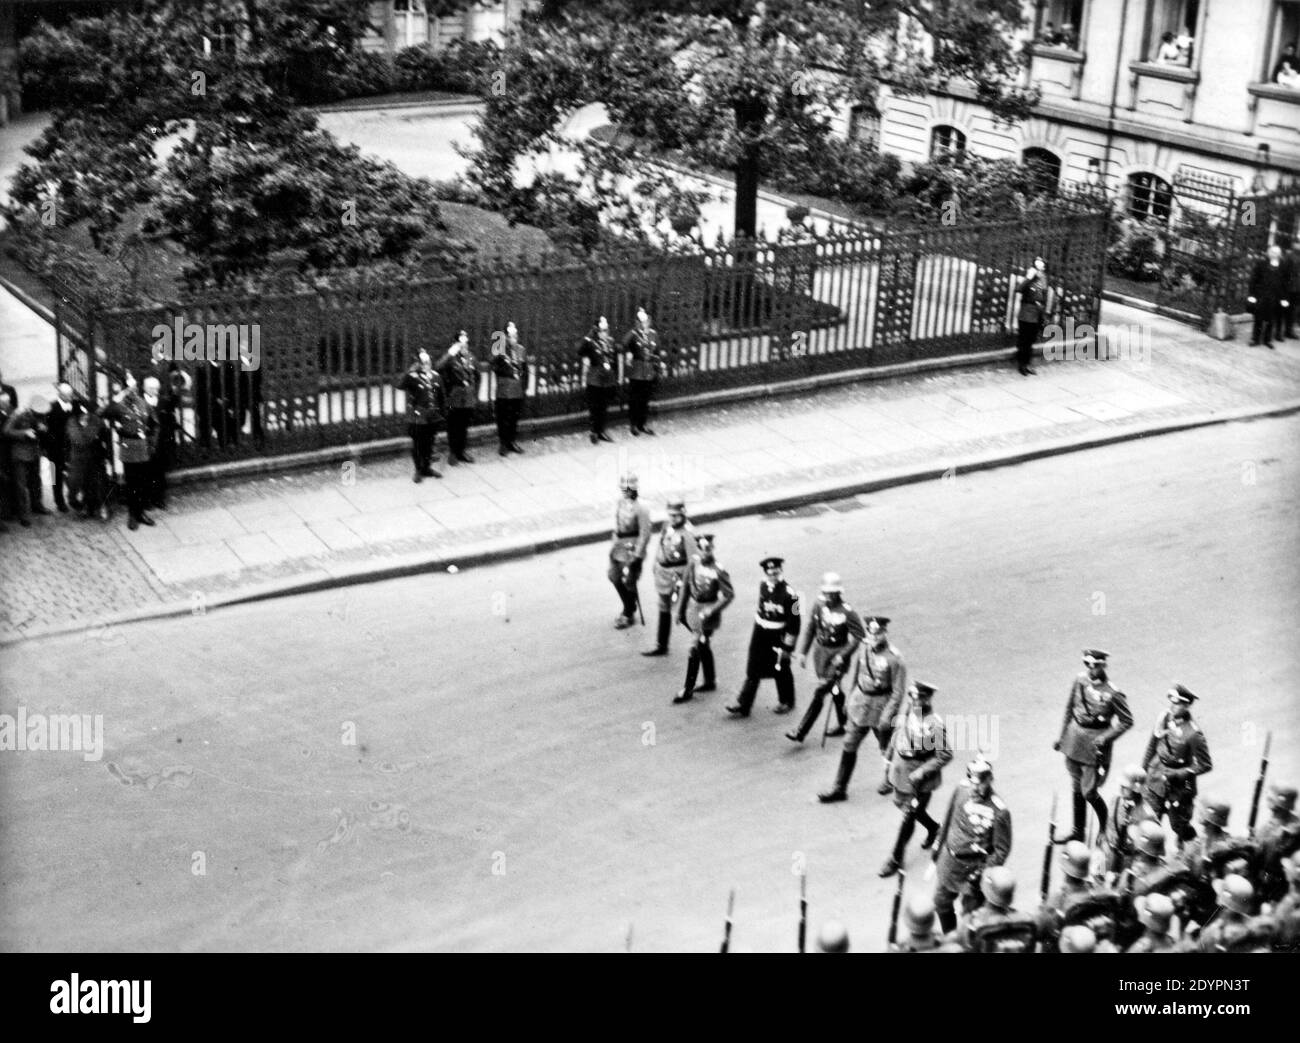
(1273, 296)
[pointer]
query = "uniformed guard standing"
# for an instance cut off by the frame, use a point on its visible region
(838, 631)
(1175, 755)
(425, 405)
(1214, 833)
(918, 751)
(706, 591)
(1075, 864)
(1147, 866)
(642, 348)
(137, 428)
(1096, 714)
(510, 365)
(1155, 912)
(602, 376)
(976, 834)
(776, 629)
(998, 889)
(459, 374)
(875, 696)
(631, 537)
(1115, 840)
(676, 549)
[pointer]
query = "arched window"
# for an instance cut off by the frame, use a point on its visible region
(1044, 169)
(1149, 198)
(946, 141)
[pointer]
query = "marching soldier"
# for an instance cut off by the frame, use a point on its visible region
(459, 374)
(1123, 812)
(1214, 834)
(602, 376)
(776, 629)
(875, 696)
(676, 549)
(998, 888)
(1278, 837)
(1096, 714)
(1175, 755)
(642, 348)
(1155, 912)
(838, 630)
(1147, 866)
(706, 591)
(425, 403)
(918, 752)
(137, 427)
(975, 835)
(631, 536)
(918, 921)
(1077, 938)
(510, 364)
(1227, 931)
(1075, 863)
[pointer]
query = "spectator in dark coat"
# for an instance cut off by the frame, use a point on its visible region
(25, 430)
(1268, 297)
(1032, 313)
(1292, 294)
(8, 406)
(88, 448)
(56, 444)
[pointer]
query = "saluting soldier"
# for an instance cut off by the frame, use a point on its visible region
(1175, 755)
(137, 428)
(642, 348)
(1096, 714)
(918, 751)
(1124, 812)
(425, 406)
(631, 537)
(459, 374)
(837, 630)
(676, 549)
(875, 695)
(975, 835)
(706, 591)
(602, 376)
(776, 629)
(510, 365)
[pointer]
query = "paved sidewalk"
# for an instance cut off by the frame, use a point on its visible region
(355, 521)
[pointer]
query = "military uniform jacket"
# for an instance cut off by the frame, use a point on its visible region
(631, 531)
(778, 610)
(510, 365)
(879, 688)
(137, 427)
(975, 835)
(425, 399)
(1095, 713)
(598, 349)
(838, 632)
(1033, 300)
(1175, 755)
(704, 587)
(460, 378)
(642, 347)
(676, 549)
(919, 744)
(1116, 838)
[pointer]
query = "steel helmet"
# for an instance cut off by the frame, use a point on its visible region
(1076, 859)
(833, 937)
(1150, 840)
(1215, 812)
(1132, 778)
(1154, 911)
(1236, 894)
(998, 886)
(1078, 939)
(832, 584)
(918, 915)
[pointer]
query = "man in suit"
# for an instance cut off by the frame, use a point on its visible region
(1031, 315)
(1268, 297)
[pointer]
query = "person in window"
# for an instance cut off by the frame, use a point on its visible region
(1048, 35)
(1168, 53)
(1068, 37)
(1288, 73)
(1286, 58)
(1184, 42)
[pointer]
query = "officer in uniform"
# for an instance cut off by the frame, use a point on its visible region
(425, 405)
(706, 591)
(1095, 716)
(1155, 912)
(602, 376)
(1075, 861)
(641, 345)
(975, 835)
(776, 629)
(459, 374)
(676, 549)
(875, 696)
(631, 537)
(838, 630)
(918, 752)
(1197, 852)
(137, 428)
(1175, 755)
(1123, 812)
(510, 365)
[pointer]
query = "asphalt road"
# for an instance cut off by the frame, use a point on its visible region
(519, 780)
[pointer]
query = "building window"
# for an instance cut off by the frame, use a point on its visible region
(1044, 169)
(411, 23)
(1170, 28)
(946, 141)
(1057, 22)
(1149, 198)
(1283, 65)
(864, 125)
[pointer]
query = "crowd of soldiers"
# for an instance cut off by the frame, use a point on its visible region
(1142, 886)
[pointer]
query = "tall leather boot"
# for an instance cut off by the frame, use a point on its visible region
(841, 718)
(784, 689)
(745, 699)
(840, 791)
(661, 638)
(1080, 807)
(895, 860)
(706, 661)
(809, 718)
(1099, 806)
(692, 672)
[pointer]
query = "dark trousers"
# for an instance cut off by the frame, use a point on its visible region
(1179, 807)
(1268, 323)
(638, 403)
(156, 494)
(422, 438)
(25, 481)
(458, 430)
(60, 477)
(624, 578)
(914, 812)
(597, 407)
(138, 478)
(945, 905)
(508, 412)
(815, 707)
(763, 661)
(1026, 338)
(1288, 316)
(701, 656)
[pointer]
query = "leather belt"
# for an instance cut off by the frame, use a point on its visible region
(768, 624)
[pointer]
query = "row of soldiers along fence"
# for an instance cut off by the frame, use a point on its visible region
(745, 313)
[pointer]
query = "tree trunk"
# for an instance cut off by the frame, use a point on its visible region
(749, 124)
